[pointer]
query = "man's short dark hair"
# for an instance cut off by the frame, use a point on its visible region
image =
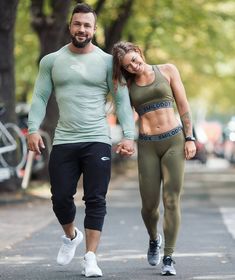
(83, 8)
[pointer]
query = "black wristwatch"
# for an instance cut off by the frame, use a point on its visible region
(190, 138)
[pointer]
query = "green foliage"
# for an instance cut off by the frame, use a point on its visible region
(26, 52)
(197, 36)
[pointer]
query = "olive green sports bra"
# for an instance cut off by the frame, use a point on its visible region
(152, 97)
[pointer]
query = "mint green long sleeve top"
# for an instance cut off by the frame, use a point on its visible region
(81, 83)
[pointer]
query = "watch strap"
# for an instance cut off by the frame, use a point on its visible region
(190, 138)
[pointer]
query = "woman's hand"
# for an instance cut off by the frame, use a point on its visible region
(190, 149)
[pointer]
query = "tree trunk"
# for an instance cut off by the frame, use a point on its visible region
(7, 75)
(113, 33)
(52, 31)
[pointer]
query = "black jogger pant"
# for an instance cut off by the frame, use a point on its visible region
(67, 163)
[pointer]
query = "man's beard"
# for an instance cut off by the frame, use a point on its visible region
(78, 44)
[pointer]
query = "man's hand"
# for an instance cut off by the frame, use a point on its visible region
(125, 147)
(35, 143)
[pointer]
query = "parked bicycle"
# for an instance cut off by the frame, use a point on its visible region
(34, 162)
(13, 150)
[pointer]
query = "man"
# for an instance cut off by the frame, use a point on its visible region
(81, 75)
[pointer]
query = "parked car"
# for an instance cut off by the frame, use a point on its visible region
(218, 149)
(201, 154)
(229, 141)
(225, 146)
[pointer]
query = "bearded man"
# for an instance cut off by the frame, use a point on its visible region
(80, 74)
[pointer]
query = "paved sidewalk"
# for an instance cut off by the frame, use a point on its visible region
(205, 248)
(19, 220)
(23, 213)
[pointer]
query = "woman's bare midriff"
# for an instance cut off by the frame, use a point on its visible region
(157, 122)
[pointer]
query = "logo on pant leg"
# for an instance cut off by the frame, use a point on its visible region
(105, 158)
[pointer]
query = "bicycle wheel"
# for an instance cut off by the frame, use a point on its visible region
(17, 158)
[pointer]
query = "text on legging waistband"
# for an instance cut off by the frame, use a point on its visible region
(161, 136)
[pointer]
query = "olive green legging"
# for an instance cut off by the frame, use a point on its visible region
(162, 162)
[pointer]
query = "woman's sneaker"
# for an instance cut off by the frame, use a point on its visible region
(90, 267)
(168, 266)
(68, 248)
(154, 251)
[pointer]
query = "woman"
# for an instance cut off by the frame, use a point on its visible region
(163, 143)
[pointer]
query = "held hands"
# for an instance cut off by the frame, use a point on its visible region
(35, 143)
(125, 147)
(190, 149)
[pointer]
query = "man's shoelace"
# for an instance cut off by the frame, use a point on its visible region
(153, 246)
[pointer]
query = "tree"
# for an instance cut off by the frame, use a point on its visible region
(198, 37)
(7, 76)
(52, 30)
(114, 31)
(51, 27)
(49, 21)
(195, 35)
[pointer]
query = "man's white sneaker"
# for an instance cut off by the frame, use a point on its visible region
(90, 267)
(68, 248)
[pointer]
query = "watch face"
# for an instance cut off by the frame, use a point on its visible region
(190, 138)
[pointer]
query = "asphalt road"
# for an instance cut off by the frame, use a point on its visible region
(30, 234)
